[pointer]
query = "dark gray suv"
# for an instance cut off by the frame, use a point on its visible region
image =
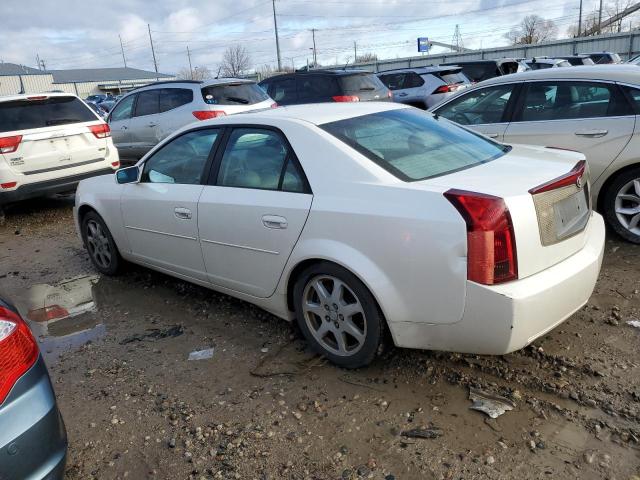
(33, 440)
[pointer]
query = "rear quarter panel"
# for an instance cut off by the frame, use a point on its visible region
(405, 242)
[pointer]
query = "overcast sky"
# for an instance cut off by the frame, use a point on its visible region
(82, 34)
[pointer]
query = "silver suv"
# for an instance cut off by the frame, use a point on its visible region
(424, 87)
(147, 115)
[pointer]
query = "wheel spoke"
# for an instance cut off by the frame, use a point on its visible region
(316, 309)
(92, 229)
(636, 186)
(630, 197)
(350, 310)
(323, 329)
(322, 292)
(628, 211)
(342, 344)
(635, 221)
(353, 330)
(337, 294)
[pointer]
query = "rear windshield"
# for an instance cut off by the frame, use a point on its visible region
(453, 78)
(414, 145)
(234, 94)
(27, 114)
(363, 82)
(478, 72)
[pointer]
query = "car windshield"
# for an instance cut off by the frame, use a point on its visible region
(234, 94)
(414, 145)
(47, 112)
(363, 82)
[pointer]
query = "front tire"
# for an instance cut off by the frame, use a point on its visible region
(338, 315)
(621, 205)
(100, 245)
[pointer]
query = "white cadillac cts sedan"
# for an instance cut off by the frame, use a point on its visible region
(357, 220)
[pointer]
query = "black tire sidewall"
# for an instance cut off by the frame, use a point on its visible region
(116, 260)
(609, 204)
(372, 313)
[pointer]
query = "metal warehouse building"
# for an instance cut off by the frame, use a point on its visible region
(83, 82)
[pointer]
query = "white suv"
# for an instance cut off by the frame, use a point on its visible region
(48, 143)
(150, 113)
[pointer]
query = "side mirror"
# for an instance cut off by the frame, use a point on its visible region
(128, 175)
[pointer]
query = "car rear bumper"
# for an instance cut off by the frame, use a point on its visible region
(49, 187)
(503, 318)
(33, 440)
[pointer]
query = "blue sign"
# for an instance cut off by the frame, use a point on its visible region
(423, 44)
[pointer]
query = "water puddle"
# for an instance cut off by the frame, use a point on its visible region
(60, 315)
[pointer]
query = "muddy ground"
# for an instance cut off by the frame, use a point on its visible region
(264, 407)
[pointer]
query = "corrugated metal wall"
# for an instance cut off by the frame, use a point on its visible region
(626, 44)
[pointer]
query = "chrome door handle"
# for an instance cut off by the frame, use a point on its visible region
(151, 124)
(592, 133)
(182, 213)
(274, 221)
(402, 94)
(124, 127)
(491, 135)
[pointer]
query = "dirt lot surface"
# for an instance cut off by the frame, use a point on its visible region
(264, 407)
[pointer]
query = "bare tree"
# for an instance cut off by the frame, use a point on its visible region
(367, 57)
(198, 73)
(614, 8)
(235, 61)
(532, 29)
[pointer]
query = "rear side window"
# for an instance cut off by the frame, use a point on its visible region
(394, 81)
(360, 83)
(571, 100)
(48, 112)
(234, 94)
(171, 98)
(148, 103)
(317, 86)
(414, 145)
(634, 94)
(283, 90)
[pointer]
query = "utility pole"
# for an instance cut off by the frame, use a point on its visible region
(457, 39)
(600, 19)
(124, 60)
(580, 21)
(315, 57)
(275, 26)
(44, 66)
(153, 52)
(189, 57)
(38, 61)
(355, 52)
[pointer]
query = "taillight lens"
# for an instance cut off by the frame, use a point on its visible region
(208, 114)
(274, 105)
(10, 144)
(491, 243)
(8, 185)
(574, 177)
(100, 131)
(46, 314)
(390, 94)
(446, 88)
(346, 98)
(18, 350)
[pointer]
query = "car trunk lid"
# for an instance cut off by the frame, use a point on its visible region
(549, 204)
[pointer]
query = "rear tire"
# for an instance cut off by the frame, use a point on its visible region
(621, 206)
(102, 249)
(338, 315)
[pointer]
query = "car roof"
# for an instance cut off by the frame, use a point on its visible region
(614, 73)
(422, 70)
(315, 113)
(479, 61)
(25, 96)
(204, 83)
(335, 72)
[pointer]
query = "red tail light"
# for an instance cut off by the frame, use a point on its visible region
(446, 88)
(208, 114)
(491, 243)
(115, 164)
(100, 131)
(274, 105)
(18, 350)
(8, 185)
(10, 144)
(38, 97)
(45, 314)
(390, 94)
(346, 98)
(572, 178)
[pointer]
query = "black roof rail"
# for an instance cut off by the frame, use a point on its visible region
(165, 82)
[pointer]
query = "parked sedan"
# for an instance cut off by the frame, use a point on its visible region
(357, 218)
(33, 441)
(424, 87)
(588, 109)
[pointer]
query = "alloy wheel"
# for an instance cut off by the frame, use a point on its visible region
(334, 315)
(627, 206)
(98, 244)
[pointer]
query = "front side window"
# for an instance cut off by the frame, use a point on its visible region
(123, 110)
(148, 103)
(182, 160)
(479, 106)
(259, 158)
(571, 100)
(414, 145)
(171, 98)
